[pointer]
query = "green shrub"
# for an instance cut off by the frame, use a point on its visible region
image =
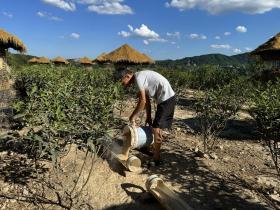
(70, 104)
(216, 107)
(210, 76)
(265, 108)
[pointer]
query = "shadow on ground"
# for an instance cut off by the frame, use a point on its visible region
(200, 187)
(141, 199)
(234, 129)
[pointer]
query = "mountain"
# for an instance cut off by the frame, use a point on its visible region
(18, 59)
(212, 59)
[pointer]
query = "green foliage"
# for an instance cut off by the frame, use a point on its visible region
(68, 103)
(17, 59)
(210, 59)
(208, 77)
(216, 107)
(202, 77)
(265, 108)
(179, 80)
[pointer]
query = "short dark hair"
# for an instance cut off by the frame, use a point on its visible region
(125, 71)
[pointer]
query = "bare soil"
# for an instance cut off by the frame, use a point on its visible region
(238, 174)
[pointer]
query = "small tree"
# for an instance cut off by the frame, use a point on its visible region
(265, 108)
(215, 108)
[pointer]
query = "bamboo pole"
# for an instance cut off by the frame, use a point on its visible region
(165, 195)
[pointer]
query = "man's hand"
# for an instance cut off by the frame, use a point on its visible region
(132, 120)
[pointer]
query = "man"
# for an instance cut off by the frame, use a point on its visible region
(152, 85)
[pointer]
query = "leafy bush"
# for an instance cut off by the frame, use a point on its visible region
(210, 76)
(216, 107)
(69, 104)
(179, 80)
(265, 108)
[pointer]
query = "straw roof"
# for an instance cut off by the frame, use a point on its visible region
(270, 50)
(101, 58)
(126, 54)
(85, 60)
(149, 60)
(60, 60)
(33, 60)
(8, 40)
(43, 60)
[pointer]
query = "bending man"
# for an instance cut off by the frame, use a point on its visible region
(152, 85)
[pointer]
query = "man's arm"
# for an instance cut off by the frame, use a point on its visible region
(140, 105)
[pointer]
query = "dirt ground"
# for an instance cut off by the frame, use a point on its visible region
(239, 174)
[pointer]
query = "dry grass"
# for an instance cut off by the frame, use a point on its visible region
(127, 54)
(101, 58)
(8, 40)
(85, 61)
(60, 60)
(270, 50)
(43, 60)
(33, 60)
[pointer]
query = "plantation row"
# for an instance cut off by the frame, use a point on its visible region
(73, 104)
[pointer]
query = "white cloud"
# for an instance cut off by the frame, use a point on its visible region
(227, 33)
(41, 14)
(66, 5)
(241, 29)
(203, 37)
(7, 14)
(220, 6)
(157, 40)
(130, 27)
(217, 37)
(197, 36)
(75, 35)
(48, 16)
(142, 32)
(220, 46)
(124, 34)
(146, 42)
(236, 50)
(173, 42)
(248, 48)
(55, 18)
(176, 34)
(108, 7)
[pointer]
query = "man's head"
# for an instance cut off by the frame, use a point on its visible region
(127, 76)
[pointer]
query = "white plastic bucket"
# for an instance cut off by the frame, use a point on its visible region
(139, 136)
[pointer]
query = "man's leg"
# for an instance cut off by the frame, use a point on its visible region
(157, 143)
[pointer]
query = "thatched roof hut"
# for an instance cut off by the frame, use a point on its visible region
(60, 60)
(126, 54)
(33, 60)
(85, 61)
(149, 60)
(8, 40)
(101, 58)
(270, 50)
(43, 60)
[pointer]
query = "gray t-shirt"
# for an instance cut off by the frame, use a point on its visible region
(156, 85)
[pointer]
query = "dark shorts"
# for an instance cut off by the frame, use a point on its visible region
(164, 114)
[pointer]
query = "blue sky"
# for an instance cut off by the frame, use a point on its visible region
(163, 29)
